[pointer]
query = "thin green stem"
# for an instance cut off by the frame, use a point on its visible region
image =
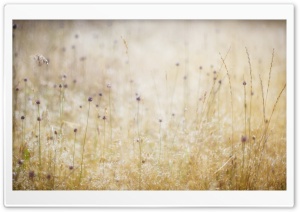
(159, 143)
(74, 149)
(140, 146)
(39, 140)
(83, 146)
(110, 119)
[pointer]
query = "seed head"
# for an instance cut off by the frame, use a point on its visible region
(39, 119)
(65, 85)
(90, 99)
(160, 120)
(20, 162)
(38, 102)
(60, 86)
(200, 67)
(55, 132)
(71, 167)
(31, 174)
(244, 83)
(48, 176)
(75, 130)
(17, 89)
(138, 98)
(244, 138)
(104, 118)
(100, 94)
(22, 117)
(25, 80)
(40, 59)
(177, 64)
(253, 137)
(220, 82)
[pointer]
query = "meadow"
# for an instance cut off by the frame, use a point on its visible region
(149, 105)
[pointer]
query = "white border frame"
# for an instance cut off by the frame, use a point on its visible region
(147, 198)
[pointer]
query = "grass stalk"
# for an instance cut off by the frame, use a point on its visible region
(84, 140)
(139, 141)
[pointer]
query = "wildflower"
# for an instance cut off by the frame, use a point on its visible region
(48, 176)
(20, 162)
(90, 99)
(31, 174)
(244, 138)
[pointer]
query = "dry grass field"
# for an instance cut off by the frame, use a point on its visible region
(149, 105)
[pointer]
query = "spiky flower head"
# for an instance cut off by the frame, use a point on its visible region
(244, 139)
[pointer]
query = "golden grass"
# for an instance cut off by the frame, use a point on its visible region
(168, 111)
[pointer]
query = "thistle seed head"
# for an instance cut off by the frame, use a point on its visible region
(31, 174)
(244, 139)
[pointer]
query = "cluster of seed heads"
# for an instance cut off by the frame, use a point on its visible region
(40, 59)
